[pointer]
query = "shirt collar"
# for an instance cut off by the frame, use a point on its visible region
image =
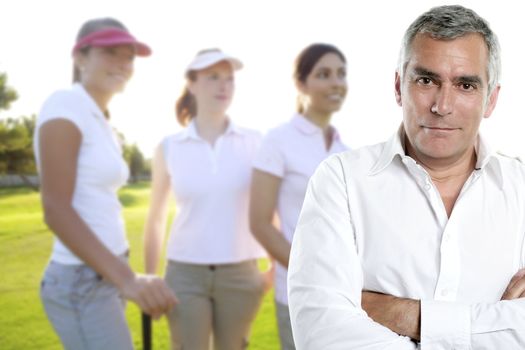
(305, 126)
(392, 148)
(95, 109)
(301, 123)
(233, 129)
(395, 146)
(488, 160)
(190, 132)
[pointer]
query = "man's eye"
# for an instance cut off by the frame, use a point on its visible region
(424, 81)
(468, 86)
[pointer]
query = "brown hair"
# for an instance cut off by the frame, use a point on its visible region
(186, 105)
(92, 26)
(306, 60)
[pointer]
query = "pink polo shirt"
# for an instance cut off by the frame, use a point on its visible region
(211, 186)
(292, 151)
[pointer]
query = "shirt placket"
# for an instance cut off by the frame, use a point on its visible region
(111, 135)
(449, 264)
(213, 154)
(429, 190)
(449, 259)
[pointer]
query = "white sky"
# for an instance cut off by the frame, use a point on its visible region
(37, 37)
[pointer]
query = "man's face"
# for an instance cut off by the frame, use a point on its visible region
(444, 95)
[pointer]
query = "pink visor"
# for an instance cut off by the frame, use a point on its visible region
(112, 37)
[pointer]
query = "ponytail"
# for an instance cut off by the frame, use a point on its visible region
(185, 107)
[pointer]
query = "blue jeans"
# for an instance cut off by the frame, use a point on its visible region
(85, 310)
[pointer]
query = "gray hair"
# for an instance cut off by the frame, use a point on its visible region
(450, 22)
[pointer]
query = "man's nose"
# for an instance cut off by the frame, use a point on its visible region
(443, 101)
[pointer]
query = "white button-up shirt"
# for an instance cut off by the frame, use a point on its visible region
(100, 172)
(292, 151)
(211, 186)
(373, 220)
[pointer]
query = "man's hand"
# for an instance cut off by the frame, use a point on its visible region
(516, 287)
(400, 315)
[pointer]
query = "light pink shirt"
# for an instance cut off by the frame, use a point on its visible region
(292, 152)
(211, 187)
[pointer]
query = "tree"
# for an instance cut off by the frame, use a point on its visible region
(16, 138)
(16, 147)
(7, 94)
(136, 162)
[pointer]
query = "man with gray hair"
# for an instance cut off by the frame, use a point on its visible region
(418, 242)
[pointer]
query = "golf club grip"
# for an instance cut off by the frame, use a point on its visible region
(146, 331)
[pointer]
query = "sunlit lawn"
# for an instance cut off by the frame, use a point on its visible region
(25, 244)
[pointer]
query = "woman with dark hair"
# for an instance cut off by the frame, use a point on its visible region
(81, 168)
(288, 157)
(212, 255)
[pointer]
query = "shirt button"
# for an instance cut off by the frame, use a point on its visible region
(444, 292)
(427, 187)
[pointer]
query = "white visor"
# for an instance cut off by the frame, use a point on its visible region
(209, 58)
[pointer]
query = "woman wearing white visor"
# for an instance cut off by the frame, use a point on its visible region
(212, 256)
(81, 168)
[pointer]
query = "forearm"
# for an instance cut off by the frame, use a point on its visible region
(273, 241)
(64, 221)
(410, 319)
(153, 240)
(157, 213)
(446, 325)
(400, 315)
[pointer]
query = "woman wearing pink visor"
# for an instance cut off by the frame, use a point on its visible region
(81, 168)
(212, 255)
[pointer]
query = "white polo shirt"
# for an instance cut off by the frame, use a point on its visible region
(101, 170)
(292, 152)
(211, 186)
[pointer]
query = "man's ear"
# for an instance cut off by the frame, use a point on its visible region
(491, 101)
(397, 85)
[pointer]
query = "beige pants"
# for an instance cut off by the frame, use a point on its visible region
(217, 304)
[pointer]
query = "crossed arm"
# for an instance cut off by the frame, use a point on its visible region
(403, 316)
(329, 309)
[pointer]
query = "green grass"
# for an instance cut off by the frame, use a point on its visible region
(25, 245)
